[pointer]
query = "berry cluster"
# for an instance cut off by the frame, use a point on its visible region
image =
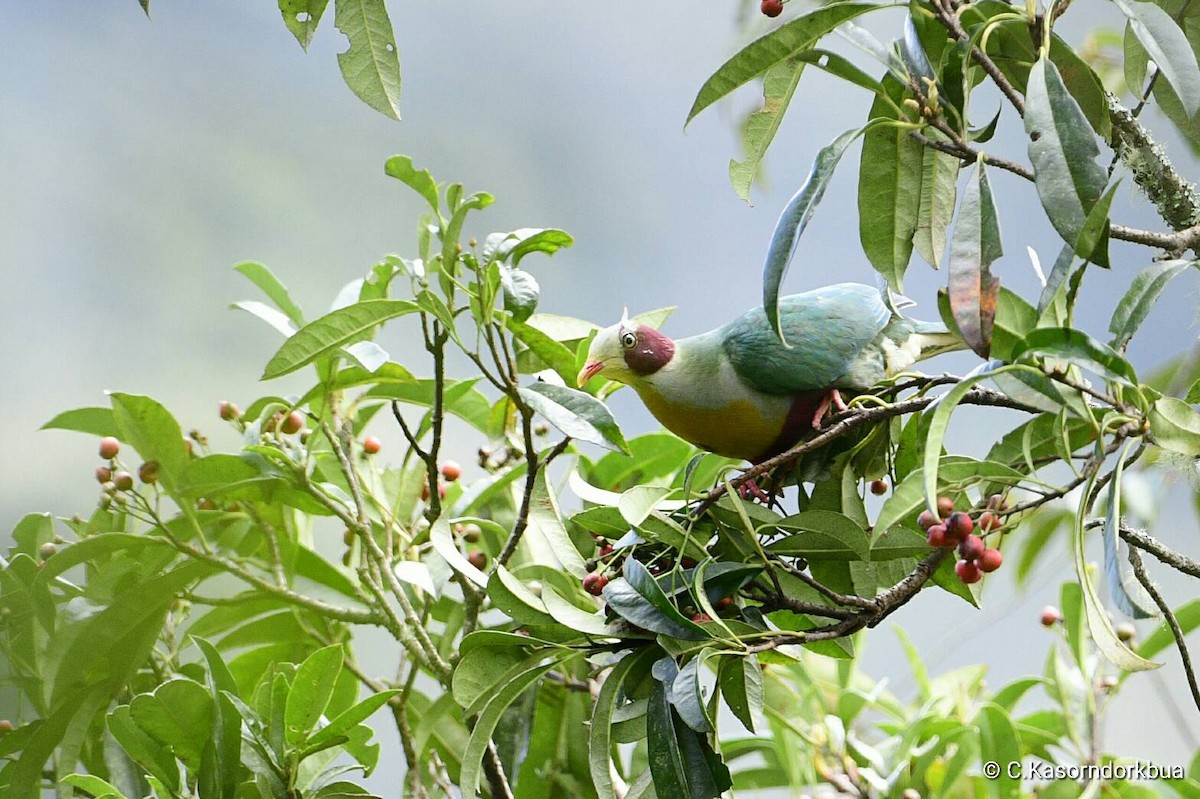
(951, 528)
(113, 480)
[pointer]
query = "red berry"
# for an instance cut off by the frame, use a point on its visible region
(109, 447)
(723, 603)
(148, 472)
(959, 525)
(293, 423)
(968, 572)
(206, 504)
(879, 487)
(927, 520)
(989, 560)
(471, 532)
(451, 471)
(103, 474)
(47, 551)
(123, 481)
(772, 8)
(989, 521)
(6, 725)
(971, 547)
(688, 563)
(228, 411)
(372, 445)
(700, 618)
(936, 537)
(1050, 616)
(424, 490)
(477, 559)
(996, 502)
(594, 583)
(945, 506)
(442, 488)
(605, 549)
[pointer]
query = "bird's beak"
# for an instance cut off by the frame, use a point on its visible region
(590, 370)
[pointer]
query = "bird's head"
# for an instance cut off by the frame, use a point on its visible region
(626, 351)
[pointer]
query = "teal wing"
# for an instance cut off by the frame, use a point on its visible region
(827, 329)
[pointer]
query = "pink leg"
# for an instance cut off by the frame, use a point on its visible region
(832, 397)
(750, 489)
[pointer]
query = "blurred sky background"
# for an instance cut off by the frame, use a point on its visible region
(143, 158)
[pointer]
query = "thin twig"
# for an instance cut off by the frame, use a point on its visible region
(1139, 571)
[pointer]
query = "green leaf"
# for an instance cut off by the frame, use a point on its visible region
(1175, 426)
(794, 219)
(998, 743)
(273, 317)
(520, 292)
(545, 519)
(486, 724)
(889, 189)
(638, 598)
(371, 65)
(177, 715)
(1188, 616)
(154, 433)
(1109, 645)
(1078, 348)
(823, 530)
(600, 734)
(575, 414)
(255, 272)
(302, 18)
(687, 694)
(401, 168)
(220, 767)
(780, 44)
(682, 764)
(94, 421)
(311, 691)
(939, 179)
(1123, 588)
(530, 240)
(442, 539)
(975, 245)
(779, 85)
(741, 682)
(482, 671)
(1168, 47)
(1145, 290)
(157, 760)
(95, 786)
(550, 352)
(324, 336)
(1063, 151)
(1092, 243)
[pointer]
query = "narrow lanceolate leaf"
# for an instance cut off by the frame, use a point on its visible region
(265, 279)
(576, 414)
(975, 245)
(371, 67)
(1168, 47)
(1105, 637)
(1123, 588)
(312, 688)
(333, 330)
(780, 44)
(1145, 290)
(779, 84)
(302, 18)
(889, 190)
(1063, 151)
(939, 188)
(794, 219)
(600, 737)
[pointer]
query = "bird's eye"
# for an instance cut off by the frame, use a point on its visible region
(628, 340)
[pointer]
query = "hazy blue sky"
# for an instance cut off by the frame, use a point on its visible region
(144, 158)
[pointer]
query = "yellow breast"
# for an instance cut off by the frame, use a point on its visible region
(737, 430)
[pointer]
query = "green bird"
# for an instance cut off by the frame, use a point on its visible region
(739, 392)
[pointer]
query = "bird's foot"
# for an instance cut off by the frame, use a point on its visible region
(750, 489)
(833, 399)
